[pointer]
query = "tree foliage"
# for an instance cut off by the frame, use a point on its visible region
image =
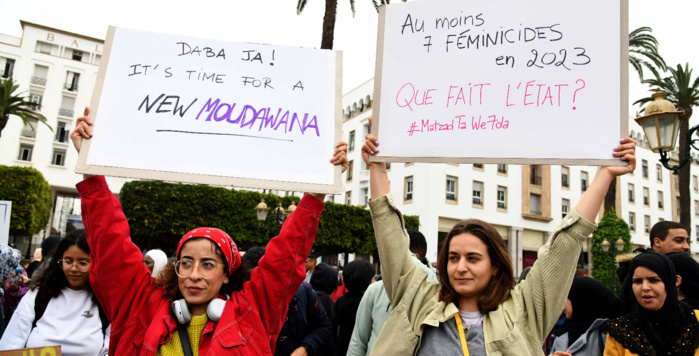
(643, 52)
(610, 228)
(31, 198)
(330, 17)
(18, 105)
(160, 213)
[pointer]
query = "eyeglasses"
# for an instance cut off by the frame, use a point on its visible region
(184, 268)
(68, 263)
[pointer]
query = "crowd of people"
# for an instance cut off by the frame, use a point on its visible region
(94, 292)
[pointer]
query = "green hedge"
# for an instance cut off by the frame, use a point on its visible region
(160, 213)
(31, 199)
(610, 228)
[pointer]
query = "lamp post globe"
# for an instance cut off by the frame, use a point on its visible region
(261, 210)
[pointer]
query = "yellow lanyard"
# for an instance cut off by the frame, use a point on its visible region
(462, 335)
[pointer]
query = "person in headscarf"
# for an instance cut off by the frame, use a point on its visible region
(9, 260)
(155, 261)
(658, 324)
(589, 306)
(8, 263)
(13, 288)
(688, 269)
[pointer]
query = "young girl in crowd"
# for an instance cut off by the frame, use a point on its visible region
(203, 290)
(659, 323)
(155, 261)
(589, 307)
(477, 308)
(71, 313)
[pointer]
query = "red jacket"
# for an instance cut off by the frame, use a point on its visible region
(140, 316)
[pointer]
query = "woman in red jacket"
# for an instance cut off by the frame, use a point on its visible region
(144, 312)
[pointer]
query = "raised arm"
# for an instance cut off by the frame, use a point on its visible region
(391, 237)
(114, 257)
(282, 269)
(591, 201)
(543, 293)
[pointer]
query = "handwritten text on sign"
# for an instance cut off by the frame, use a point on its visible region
(500, 79)
(195, 106)
(34, 351)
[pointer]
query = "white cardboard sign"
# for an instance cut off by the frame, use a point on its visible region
(5, 218)
(535, 81)
(194, 110)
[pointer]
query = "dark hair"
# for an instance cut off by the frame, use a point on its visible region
(662, 228)
(253, 255)
(48, 246)
(688, 269)
(503, 281)
(52, 279)
(418, 245)
(324, 278)
(168, 279)
(358, 275)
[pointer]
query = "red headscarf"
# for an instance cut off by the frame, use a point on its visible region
(221, 239)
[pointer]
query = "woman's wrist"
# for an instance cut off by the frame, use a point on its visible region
(378, 167)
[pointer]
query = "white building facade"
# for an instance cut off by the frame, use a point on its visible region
(57, 70)
(525, 203)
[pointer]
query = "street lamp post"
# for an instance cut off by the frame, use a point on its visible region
(278, 214)
(661, 125)
(613, 252)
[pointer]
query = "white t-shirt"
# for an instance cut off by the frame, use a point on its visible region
(470, 318)
(70, 320)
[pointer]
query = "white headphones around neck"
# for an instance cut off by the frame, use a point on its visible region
(213, 311)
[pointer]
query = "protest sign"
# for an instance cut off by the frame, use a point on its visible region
(178, 108)
(34, 351)
(5, 217)
(505, 81)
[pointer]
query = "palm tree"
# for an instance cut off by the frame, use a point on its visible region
(330, 17)
(684, 94)
(17, 104)
(643, 52)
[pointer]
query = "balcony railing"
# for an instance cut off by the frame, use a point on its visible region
(28, 132)
(65, 112)
(38, 81)
(535, 180)
(535, 212)
(4, 74)
(501, 205)
(70, 87)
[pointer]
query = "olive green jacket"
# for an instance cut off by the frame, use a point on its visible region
(521, 323)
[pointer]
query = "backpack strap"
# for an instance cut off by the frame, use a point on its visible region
(40, 304)
(103, 319)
